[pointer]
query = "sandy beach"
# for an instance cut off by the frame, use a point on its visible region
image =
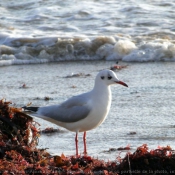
(141, 108)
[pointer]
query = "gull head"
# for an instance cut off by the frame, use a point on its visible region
(108, 77)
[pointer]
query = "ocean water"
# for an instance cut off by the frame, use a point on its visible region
(45, 31)
(42, 42)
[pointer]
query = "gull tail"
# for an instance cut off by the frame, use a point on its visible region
(31, 109)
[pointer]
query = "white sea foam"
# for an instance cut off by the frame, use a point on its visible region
(152, 52)
(41, 50)
(124, 47)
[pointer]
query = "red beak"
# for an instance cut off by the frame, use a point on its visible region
(122, 83)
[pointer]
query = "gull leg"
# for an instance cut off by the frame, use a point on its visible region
(76, 143)
(84, 141)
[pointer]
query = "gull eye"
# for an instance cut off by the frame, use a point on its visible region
(102, 77)
(109, 77)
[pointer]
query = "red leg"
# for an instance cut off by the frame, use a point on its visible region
(84, 140)
(76, 143)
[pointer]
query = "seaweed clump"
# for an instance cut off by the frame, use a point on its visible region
(19, 154)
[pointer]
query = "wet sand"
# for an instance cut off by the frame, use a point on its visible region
(145, 108)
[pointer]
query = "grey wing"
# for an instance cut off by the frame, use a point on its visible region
(72, 110)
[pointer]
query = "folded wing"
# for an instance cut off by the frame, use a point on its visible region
(72, 110)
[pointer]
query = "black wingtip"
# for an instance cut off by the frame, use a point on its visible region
(33, 109)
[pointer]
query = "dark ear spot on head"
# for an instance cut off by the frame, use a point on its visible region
(109, 77)
(102, 77)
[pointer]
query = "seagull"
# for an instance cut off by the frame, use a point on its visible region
(83, 112)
